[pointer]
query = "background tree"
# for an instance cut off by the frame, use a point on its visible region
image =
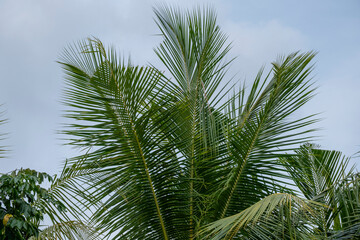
(325, 176)
(20, 211)
(24, 203)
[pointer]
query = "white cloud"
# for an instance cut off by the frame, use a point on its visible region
(258, 44)
(339, 99)
(32, 34)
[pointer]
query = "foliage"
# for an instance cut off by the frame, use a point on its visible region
(324, 176)
(73, 223)
(331, 203)
(167, 153)
(23, 204)
(176, 155)
(3, 149)
(268, 218)
(69, 230)
(20, 211)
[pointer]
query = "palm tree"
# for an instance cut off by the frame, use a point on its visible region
(325, 176)
(183, 154)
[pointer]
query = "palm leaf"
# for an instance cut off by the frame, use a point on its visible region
(346, 208)
(316, 173)
(325, 176)
(193, 51)
(315, 170)
(69, 230)
(278, 216)
(3, 149)
(114, 102)
(262, 131)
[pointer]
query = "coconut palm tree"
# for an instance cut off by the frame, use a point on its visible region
(325, 176)
(183, 153)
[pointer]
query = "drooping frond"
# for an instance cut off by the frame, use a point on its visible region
(68, 230)
(113, 104)
(278, 216)
(70, 189)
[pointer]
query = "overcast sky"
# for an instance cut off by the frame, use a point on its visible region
(34, 32)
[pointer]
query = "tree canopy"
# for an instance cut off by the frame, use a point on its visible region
(21, 203)
(181, 152)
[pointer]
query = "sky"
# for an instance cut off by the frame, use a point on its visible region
(33, 34)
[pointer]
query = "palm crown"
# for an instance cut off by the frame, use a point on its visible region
(180, 154)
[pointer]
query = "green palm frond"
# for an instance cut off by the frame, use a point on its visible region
(193, 50)
(316, 170)
(69, 230)
(346, 208)
(115, 102)
(349, 233)
(325, 176)
(262, 131)
(278, 216)
(70, 208)
(70, 189)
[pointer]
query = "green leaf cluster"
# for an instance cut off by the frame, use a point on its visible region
(20, 208)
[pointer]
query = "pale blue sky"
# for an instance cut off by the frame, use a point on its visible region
(33, 34)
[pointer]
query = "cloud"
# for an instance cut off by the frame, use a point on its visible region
(257, 44)
(32, 34)
(338, 99)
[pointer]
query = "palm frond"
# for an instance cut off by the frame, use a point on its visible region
(315, 170)
(278, 216)
(70, 189)
(3, 149)
(263, 130)
(193, 50)
(346, 208)
(115, 101)
(68, 230)
(325, 176)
